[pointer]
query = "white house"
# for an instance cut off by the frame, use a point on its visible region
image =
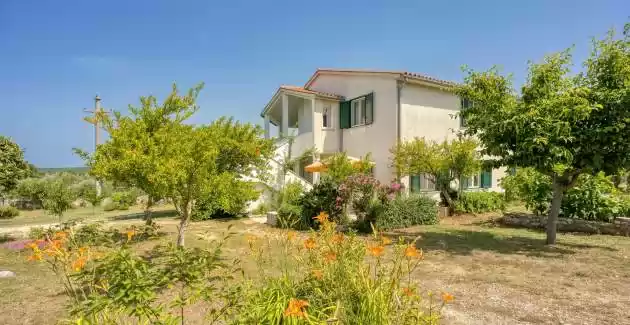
(365, 111)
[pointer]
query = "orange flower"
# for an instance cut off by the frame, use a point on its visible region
(330, 256)
(60, 235)
(32, 245)
(291, 235)
(412, 252)
(376, 250)
(385, 240)
(310, 243)
(447, 297)
(35, 257)
(79, 263)
(296, 308)
(130, 233)
(55, 244)
(322, 217)
(318, 274)
(82, 250)
(338, 238)
(408, 292)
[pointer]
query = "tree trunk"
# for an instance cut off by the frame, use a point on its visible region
(148, 212)
(183, 224)
(554, 211)
(449, 201)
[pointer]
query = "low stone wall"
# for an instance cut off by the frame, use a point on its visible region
(620, 227)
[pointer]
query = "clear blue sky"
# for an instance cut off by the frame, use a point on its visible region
(56, 55)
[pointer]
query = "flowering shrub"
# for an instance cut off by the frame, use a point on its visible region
(334, 278)
(324, 196)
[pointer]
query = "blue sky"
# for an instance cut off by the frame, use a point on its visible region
(56, 55)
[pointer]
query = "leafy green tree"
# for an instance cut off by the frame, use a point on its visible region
(443, 162)
(339, 166)
(154, 150)
(58, 198)
(13, 167)
(561, 125)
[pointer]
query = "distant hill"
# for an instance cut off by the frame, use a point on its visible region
(76, 170)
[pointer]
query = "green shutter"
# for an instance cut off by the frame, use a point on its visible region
(344, 115)
(415, 183)
(486, 179)
(369, 108)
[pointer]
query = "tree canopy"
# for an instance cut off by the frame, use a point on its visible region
(153, 149)
(560, 124)
(443, 162)
(13, 167)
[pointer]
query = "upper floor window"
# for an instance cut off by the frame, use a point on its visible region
(465, 103)
(356, 112)
(326, 117)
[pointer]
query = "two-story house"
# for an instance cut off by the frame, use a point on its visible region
(364, 111)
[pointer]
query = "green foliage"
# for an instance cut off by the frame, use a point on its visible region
(529, 186)
(13, 167)
(480, 202)
(32, 189)
(339, 166)
(288, 205)
(228, 199)
(323, 197)
(405, 211)
(124, 199)
(87, 191)
(58, 198)
(110, 206)
(593, 198)
(444, 162)
(8, 212)
(153, 149)
(560, 124)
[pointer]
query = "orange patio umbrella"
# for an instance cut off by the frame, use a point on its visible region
(316, 167)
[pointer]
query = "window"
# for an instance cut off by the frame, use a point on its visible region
(481, 180)
(421, 182)
(326, 117)
(356, 112)
(465, 103)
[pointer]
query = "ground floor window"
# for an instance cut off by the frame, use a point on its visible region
(422, 182)
(480, 180)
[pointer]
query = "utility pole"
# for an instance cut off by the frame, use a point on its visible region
(98, 114)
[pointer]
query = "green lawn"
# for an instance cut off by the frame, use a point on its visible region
(498, 275)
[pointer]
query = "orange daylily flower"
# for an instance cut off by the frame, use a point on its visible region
(330, 256)
(60, 235)
(385, 240)
(32, 245)
(83, 250)
(412, 252)
(376, 250)
(291, 235)
(338, 238)
(321, 217)
(130, 233)
(408, 292)
(447, 297)
(318, 274)
(79, 263)
(310, 243)
(296, 308)
(35, 257)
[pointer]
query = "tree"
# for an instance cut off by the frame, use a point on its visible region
(58, 198)
(443, 162)
(154, 150)
(13, 167)
(560, 125)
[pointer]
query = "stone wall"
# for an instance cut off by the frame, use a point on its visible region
(620, 227)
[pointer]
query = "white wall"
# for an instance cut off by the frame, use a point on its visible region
(426, 112)
(378, 137)
(326, 140)
(305, 118)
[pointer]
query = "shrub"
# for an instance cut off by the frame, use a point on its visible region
(33, 190)
(288, 206)
(234, 195)
(593, 198)
(479, 202)
(124, 199)
(8, 212)
(323, 197)
(110, 206)
(405, 211)
(530, 186)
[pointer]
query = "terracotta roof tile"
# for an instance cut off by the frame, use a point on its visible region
(411, 75)
(309, 91)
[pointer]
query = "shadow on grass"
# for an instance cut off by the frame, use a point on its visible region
(140, 215)
(464, 242)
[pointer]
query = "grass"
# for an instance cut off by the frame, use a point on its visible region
(498, 275)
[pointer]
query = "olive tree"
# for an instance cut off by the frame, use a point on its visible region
(561, 125)
(13, 167)
(155, 150)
